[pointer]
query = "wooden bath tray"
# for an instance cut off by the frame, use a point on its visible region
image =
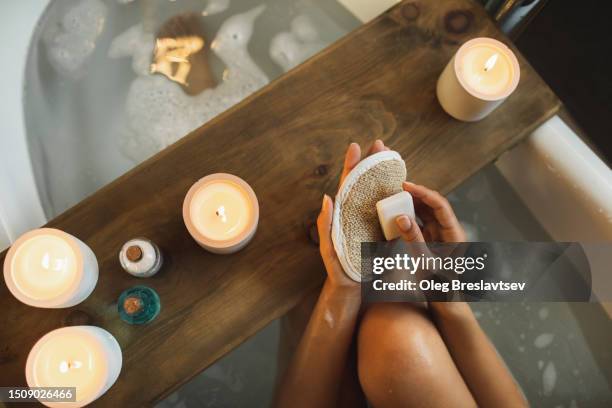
(287, 141)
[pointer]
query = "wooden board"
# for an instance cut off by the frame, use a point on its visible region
(287, 141)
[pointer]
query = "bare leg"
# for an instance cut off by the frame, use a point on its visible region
(403, 361)
(291, 331)
(482, 368)
(351, 394)
(292, 327)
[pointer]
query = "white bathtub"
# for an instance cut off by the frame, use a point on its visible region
(20, 206)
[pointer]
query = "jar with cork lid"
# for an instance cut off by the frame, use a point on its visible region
(140, 257)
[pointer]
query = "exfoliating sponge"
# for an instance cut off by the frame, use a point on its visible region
(355, 218)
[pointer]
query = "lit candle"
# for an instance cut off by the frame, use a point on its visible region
(85, 357)
(50, 268)
(481, 75)
(221, 213)
(392, 207)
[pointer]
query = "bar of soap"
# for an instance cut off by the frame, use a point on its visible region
(392, 207)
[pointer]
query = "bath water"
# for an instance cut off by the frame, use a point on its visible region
(95, 106)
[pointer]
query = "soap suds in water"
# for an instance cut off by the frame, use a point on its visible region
(158, 112)
(543, 340)
(215, 7)
(70, 43)
(138, 44)
(549, 379)
(543, 313)
(290, 48)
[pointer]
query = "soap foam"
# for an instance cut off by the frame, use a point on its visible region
(549, 379)
(70, 44)
(138, 44)
(158, 112)
(290, 48)
(543, 340)
(215, 7)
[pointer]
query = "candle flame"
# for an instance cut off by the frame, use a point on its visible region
(221, 213)
(67, 365)
(491, 62)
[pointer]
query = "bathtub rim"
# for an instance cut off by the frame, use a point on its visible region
(23, 210)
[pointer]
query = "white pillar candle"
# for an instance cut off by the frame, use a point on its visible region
(50, 268)
(86, 357)
(392, 207)
(481, 75)
(221, 213)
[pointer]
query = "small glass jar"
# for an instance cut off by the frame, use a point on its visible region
(138, 305)
(140, 257)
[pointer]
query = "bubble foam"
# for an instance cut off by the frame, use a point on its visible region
(543, 340)
(549, 379)
(290, 48)
(215, 7)
(159, 112)
(70, 44)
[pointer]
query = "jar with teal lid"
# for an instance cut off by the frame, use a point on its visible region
(138, 305)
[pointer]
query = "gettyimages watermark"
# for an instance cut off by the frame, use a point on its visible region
(486, 271)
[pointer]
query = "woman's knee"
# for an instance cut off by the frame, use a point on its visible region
(394, 338)
(402, 360)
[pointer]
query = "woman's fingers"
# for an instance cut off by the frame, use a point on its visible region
(324, 222)
(352, 157)
(443, 212)
(409, 229)
(332, 264)
(377, 146)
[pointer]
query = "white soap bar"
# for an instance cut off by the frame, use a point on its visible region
(392, 207)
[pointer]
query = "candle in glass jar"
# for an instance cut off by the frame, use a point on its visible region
(221, 213)
(85, 357)
(50, 268)
(481, 75)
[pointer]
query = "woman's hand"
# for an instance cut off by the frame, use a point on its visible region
(335, 273)
(439, 225)
(439, 221)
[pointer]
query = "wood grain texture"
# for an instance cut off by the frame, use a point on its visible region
(287, 142)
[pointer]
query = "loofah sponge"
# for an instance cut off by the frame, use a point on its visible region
(355, 218)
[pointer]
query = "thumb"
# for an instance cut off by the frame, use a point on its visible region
(409, 229)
